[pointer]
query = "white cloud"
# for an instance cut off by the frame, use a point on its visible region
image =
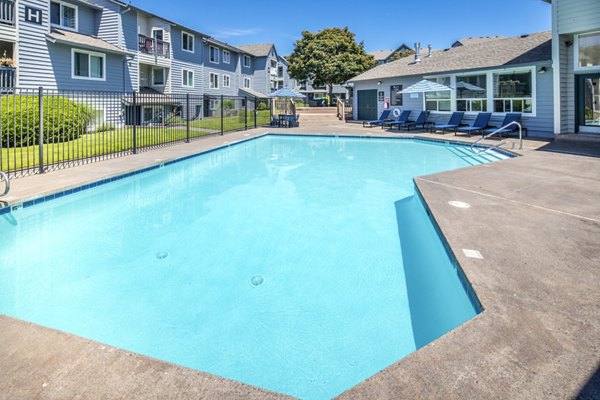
(226, 33)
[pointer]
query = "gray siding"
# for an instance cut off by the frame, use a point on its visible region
(86, 20)
(109, 22)
(130, 43)
(577, 15)
(177, 67)
(567, 86)
(259, 75)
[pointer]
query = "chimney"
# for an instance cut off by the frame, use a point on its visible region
(429, 50)
(417, 52)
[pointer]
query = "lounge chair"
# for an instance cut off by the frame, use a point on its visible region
(480, 123)
(401, 120)
(420, 121)
(382, 118)
(508, 118)
(453, 122)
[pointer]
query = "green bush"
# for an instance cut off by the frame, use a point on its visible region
(262, 106)
(64, 120)
(103, 127)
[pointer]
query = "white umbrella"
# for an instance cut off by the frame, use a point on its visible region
(425, 86)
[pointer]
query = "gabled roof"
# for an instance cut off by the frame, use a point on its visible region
(475, 40)
(83, 41)
(257, 50)
(254, 93)
(382, 55)
(525, 49)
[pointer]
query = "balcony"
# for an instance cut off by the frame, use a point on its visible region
(7, 79)
(148, 45)
(7, 12)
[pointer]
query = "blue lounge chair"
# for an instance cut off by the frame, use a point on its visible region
(508, 118)
(480, 123)
(401, 120)
(384, 116)
(453, 122)
(420, 121)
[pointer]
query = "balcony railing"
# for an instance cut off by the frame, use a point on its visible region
(7, 79)
(7, 12)
(152, 46)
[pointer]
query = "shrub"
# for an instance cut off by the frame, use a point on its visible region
(64, 120)
(262, 106)
(103, 127)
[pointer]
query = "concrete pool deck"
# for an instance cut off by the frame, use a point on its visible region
(535, 220)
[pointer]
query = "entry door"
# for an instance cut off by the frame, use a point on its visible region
(588, 104)
(367, 105)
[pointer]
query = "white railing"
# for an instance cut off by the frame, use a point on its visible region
(499, 130)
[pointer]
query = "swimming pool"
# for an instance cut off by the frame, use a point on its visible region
(302, 265)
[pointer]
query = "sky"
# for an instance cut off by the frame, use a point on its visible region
(379, 24)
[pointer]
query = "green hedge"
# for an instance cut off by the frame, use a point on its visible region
(64, 120)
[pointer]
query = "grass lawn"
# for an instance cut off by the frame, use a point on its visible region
(120, 140)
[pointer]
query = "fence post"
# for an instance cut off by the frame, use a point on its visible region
(135, 122)
(255, 116)
(222, 115)
(187, 117)
(246, 113)
(41, 128)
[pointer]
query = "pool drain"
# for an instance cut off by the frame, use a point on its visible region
(257, 280)
(161, 254)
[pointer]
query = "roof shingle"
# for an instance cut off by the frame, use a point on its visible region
(257, 50)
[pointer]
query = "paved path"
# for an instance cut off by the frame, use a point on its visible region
(536, 221)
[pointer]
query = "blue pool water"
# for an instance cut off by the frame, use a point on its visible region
(299, 265)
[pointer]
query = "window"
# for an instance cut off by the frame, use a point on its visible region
(438, 101)
(395, 95)
(158, 34)
(214, 104)
(226, 81)
(188, 78)
(213, 80)
(187, 42)
(63, 15)
(280, 72)
(247, 83)
(273, 64)
(88, 65)
(513, 92)
(158, 76)
(214, 54)
(588, 50)
(247, 61)
(226, 56)
(471, 93)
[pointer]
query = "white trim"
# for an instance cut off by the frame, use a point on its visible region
(210, 54)
(59, 25)
(193, 42)
(576, 67)
(228, 58)
(246, 79)
(210, 81)
(244, 58)
(228, 79)
(89, 53)
(185, 72)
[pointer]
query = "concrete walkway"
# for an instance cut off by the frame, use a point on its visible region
(536, 221)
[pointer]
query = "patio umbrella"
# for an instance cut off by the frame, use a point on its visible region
(460, 85)
(425, 86)
(286, 93)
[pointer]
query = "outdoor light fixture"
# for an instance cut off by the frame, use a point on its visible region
(378, 82)
(542, 70)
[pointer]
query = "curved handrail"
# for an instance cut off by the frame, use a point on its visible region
(4, 176)
(501, 143)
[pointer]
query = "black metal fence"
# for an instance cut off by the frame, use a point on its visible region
(42, 130)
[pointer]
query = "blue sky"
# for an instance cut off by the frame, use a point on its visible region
(380, 24)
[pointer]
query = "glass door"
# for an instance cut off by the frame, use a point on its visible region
(589, 103)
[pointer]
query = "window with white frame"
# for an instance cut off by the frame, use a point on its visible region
(513, 92)
(213, 80)
(247, 83)
(188, 78)
(246, 61)
(214, 104)
(226, 81)
(63, 15)
(187, 42)
(439, 101)
(158, 76)
(213, 54)
(88, 65)
(588, 50)
(226, 56)
(471, 93)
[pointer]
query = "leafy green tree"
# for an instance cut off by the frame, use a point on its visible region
(328, 57)
(401, 54)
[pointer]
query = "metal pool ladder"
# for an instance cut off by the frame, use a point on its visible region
(489, 135)
(6, 180)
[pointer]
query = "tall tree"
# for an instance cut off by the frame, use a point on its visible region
(328, 57)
